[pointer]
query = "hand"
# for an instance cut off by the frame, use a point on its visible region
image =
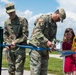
(52, 48)
(6, 48)
(13, 45)
(50, 44)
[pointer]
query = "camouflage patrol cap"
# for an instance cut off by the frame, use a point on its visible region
(10, 7)
(62, 14)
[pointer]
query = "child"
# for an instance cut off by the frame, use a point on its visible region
(69, 63)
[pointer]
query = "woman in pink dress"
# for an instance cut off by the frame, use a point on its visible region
(69, 62)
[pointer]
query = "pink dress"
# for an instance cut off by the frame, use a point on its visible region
(69, 62)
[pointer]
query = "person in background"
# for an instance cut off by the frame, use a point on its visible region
(15, 32)
(69, 63)
(44, 32)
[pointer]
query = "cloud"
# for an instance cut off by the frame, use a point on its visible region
(69, 5)
(68, 23)
(3, 16)
(70, 20)
(27, 14)
(5, 1)
(31, 23)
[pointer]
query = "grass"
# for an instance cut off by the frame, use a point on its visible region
(4, 61)
(54, 52)
(54, 65)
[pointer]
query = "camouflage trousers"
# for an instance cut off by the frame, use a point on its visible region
(38, 63)
(16, 61)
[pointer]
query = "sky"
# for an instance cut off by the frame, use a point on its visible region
(32, 9)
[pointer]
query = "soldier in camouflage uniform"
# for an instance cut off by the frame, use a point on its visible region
(15, 32)
(43, 34)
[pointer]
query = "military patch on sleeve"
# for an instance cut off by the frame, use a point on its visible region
(41, 22)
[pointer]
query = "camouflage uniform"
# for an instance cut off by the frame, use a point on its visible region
(16, 30)
(45, 29)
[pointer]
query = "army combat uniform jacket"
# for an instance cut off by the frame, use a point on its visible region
(45, 29)
(16, 30)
